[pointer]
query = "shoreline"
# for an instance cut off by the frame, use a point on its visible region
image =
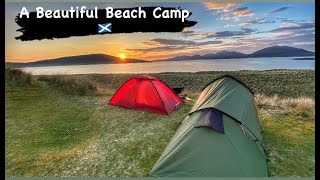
(182, 72)
(25, 65)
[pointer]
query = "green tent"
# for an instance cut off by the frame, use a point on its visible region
(220, 136)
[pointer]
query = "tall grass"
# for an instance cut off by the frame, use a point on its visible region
(301, 106)
(17, 77)
(288, 132)
(71, 85)
(284, 83)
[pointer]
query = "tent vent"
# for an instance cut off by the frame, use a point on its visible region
(211, 118)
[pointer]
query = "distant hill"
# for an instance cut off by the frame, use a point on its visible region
(307, 58)
(225, 55)
(281, 51)
(88, 59)
(274, 51)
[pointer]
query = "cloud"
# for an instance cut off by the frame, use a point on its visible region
(256, 21)
(226, 34)
(165, 48)
(277, 10)
(281, 18)
(159, 49)
(294, 25)
(241, 12)
(228, 10)
(161, 45)
(229, 25)
(298, 33)
(224, 16)
(187, 32)
(235, 13)
(220, 5)
(160, 41)
(301, 40)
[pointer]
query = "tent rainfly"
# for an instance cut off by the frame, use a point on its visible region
(220, 136)
(146, 93)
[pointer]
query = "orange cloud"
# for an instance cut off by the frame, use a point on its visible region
(220, 5)
(241, 12)
(256, 21)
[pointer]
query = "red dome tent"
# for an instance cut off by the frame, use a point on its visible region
(146, 93)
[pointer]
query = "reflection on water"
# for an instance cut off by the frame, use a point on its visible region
(180, 66)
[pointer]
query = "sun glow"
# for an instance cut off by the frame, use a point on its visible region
(122, 56)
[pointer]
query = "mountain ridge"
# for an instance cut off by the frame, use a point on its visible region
(273, 51)
(91, 59)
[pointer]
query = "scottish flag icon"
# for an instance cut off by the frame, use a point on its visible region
(104, 28)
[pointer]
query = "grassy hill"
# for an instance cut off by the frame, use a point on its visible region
(87, 59)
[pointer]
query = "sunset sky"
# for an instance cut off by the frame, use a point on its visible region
(243, 27)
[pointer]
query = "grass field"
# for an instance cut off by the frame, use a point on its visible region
(63, 126)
